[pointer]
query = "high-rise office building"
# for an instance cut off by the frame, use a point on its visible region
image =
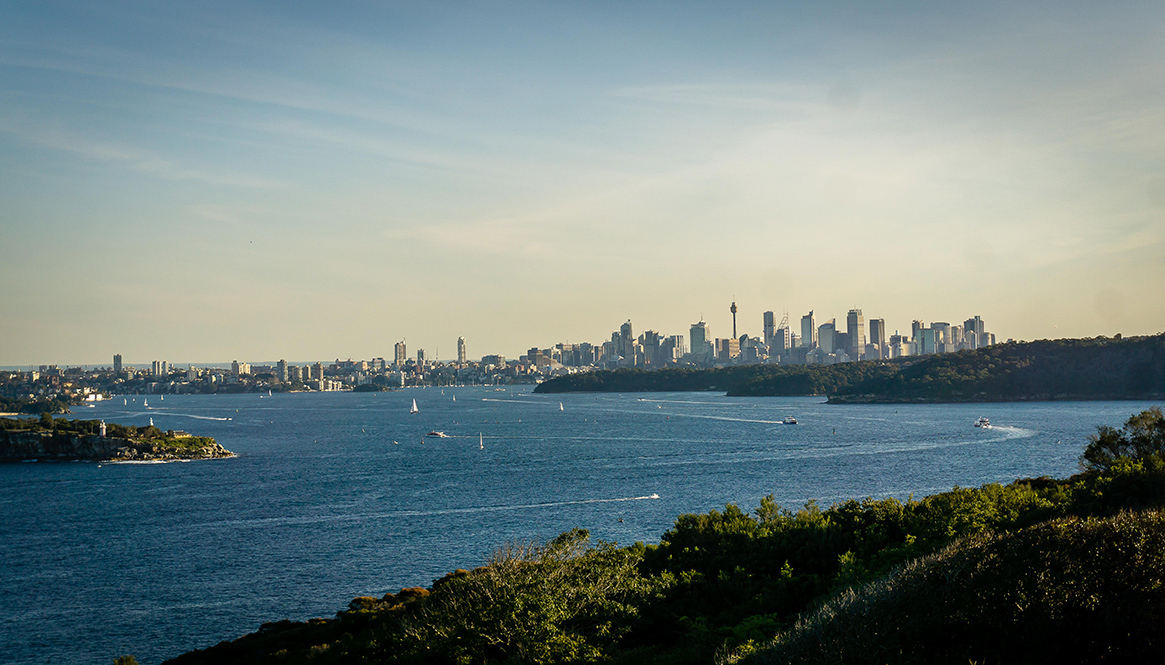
(974, 325)
(698, 339)
(420, 356)
(770, 327)
(825, 335)
(855, 328)
(400, 354)
(916, 331)
(117, 364)
(878, 338)
(281, 370)
(626, 342)
(460, 350)
(809, 331)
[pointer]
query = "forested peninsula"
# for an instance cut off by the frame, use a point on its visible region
(57, 439)
(1039, 570)
(1064, 369)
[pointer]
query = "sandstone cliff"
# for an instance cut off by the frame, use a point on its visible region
(18, 446)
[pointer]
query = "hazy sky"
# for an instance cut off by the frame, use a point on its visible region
(211, 181)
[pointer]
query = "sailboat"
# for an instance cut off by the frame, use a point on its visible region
(124, 401)
(414, 409)
(560, 406)
(480, 441)
(146, 403)
(163, 398)
(455, 398)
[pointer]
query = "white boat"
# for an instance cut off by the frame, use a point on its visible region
(455, 398)
(124, 401)
(983, 422)
(163, 398)
(414, 409)
(480, 441)
(439, 435)
(146, 403)
(560, 406)
(789, 420)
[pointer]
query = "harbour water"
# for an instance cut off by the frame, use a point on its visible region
(337, 495)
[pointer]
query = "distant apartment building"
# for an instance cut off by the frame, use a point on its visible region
(281, 370)
(117, 364)
(460, 350)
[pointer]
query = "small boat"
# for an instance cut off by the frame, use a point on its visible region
(414, 409)
(983, 422)
(455, 398)
(124, 401)
(480, 441)
(560, 406)
(146, 403)
(789, 420)
(653, 496)
(163, 398)
(439, 435)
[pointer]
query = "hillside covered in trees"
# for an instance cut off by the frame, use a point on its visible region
(1097, 368)
(1036, 570)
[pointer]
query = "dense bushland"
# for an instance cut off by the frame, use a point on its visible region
(1024, 560)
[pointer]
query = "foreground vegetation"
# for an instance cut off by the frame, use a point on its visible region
(1072, 568)
(1098, 368)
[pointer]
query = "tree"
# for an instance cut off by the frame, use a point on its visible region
(1142, 436)
(46, 420)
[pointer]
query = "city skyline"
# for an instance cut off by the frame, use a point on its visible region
(248, 180)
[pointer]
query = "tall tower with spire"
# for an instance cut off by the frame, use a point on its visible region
(733, 310)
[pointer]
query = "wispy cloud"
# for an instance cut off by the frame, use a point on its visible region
(142, 161)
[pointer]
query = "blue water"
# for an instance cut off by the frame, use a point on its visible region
(337, 495)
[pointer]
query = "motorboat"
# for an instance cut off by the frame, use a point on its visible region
(439, 435)
(983, 422)
(789, 420)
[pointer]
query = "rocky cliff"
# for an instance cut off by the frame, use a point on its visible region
(18, 446)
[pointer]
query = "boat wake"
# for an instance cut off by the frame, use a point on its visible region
(187, 415)
(424, 513)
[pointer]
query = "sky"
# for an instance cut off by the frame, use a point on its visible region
(205, 181)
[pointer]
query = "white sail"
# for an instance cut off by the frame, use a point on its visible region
(414, 409)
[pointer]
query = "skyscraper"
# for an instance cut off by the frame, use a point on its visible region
(878, 332)
(825, 335)
(117, 364)
(698, 337)
(809, 331)
(460, 350)
(626, 342)
(400, 354)
(281, 370)
(855, 328)
(770, 328)
(878, 336)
